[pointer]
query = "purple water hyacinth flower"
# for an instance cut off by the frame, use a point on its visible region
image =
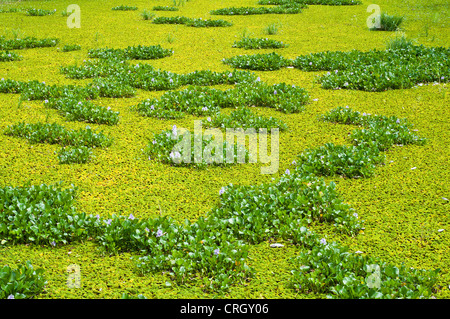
(208, 119)
(174, 155)
(11, 297)
(323, 241)
(146, 229)
(108, 222)
(131, 217)
(275, 92)
(258, 79)
(398, 121)
(204, 109)
(230, 75)
(97, 216)
(159, 233)
(154, 142)
(53, 243)
(216, 251)
(222, 190)
(355, 215)
(287, 172)
(174, 130)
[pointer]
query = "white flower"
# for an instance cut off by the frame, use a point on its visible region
(174, 155)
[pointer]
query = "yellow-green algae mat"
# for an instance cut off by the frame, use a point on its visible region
(404, 209)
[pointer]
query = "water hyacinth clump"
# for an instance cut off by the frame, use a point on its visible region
(144, 76)
(244, 118)
(124, 8)
(8, 56)
(348, 161)
(39, 12)
(258, 43)
(342, 274)
(78, 142)
(165, 8)
(261, 62)
(293, 8)
(71, 47)
(83, 111)
(378, 131)
(52, 133)
(192, 22)
(207, 101)
(194, 150)
(310, 2)
(378, 70)
(23, 282)
(35, 90)
(139, 52)
(26, 43)
(74, 155)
